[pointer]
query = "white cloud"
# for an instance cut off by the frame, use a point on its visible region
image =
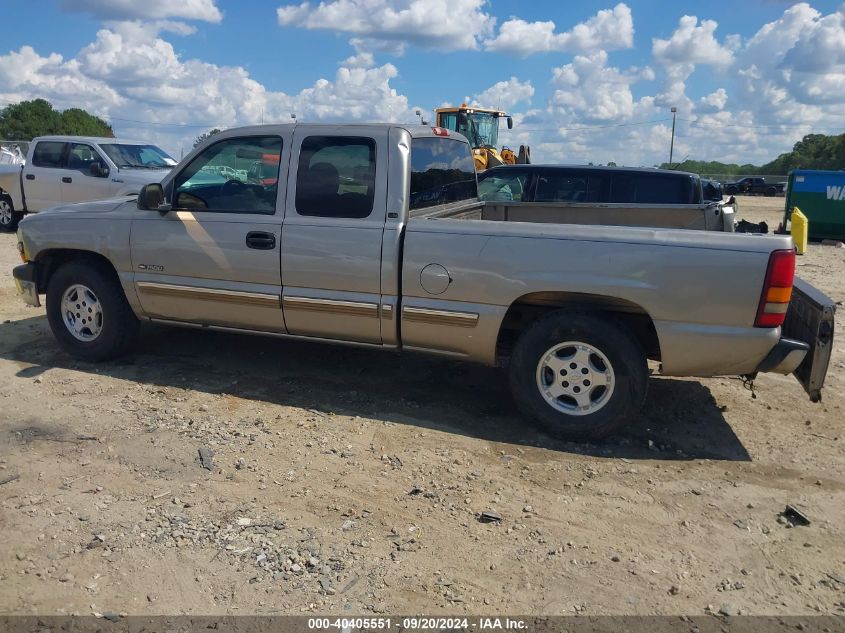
(447, 25)
(715, 100)
(363, 59)
(588, 89)
(609, 29)
(504, 95)
(25, 74)
(692, 43)
(792, 70)
(205, 10)
(125, 75)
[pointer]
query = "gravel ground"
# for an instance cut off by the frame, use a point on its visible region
(347, 481)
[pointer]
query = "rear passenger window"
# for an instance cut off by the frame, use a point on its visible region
(597, 188)
(623, 189)
(442, 171)
(48, 154)
(552, 187)
(664, 189)
(336, 177)
(645, 188)
(507, 186)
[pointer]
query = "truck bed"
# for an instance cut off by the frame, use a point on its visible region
(708, 217)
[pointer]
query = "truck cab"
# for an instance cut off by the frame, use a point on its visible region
(70, 169)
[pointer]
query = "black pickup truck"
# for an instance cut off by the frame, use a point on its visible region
(754, 186)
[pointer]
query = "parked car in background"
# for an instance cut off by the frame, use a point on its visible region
(264, 172)
(11, 154)
(754, 186)
(712, 190)
(373, 235)
(618, 196)
(65, 169)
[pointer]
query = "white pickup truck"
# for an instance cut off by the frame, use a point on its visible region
(67, 169)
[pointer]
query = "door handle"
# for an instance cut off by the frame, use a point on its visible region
(261, 240)
(30, 176)
(67, 179)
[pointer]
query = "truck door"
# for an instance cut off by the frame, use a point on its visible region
(332, 233)
(86, 176)
(214, 258)
(42, 176)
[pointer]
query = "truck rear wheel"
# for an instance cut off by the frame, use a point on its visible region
(580, 375)
(89, 314)
(9, 218)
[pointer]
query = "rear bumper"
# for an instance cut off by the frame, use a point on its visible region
(26, 276)
(785, 357)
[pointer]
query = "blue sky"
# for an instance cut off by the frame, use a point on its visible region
(585, 81)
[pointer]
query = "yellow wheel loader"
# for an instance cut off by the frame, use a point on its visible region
(481, 127)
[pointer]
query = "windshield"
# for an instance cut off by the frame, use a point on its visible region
(138, 156)
(482, 129)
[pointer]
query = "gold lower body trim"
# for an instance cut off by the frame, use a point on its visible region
(440, 317)
(334, 306)
(209, 294)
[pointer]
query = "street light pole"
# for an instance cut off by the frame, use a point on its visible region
(672, 143)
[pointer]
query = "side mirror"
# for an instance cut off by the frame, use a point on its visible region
(462, 121)
(151, 198)
(98, 170)
(510, 123)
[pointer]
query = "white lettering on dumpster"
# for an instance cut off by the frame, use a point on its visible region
(835, 193)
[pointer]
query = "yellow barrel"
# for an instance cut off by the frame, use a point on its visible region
(800, 228)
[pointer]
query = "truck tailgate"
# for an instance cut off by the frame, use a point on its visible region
(810, 319)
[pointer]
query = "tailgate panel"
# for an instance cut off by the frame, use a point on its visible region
(810, 319)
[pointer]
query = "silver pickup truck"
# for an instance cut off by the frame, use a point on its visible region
(374, 235)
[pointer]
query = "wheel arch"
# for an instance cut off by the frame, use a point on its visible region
(50, 260)
(528, 308)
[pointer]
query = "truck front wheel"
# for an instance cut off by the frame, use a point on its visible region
(580, 375)
(89, 314)
(9, 218)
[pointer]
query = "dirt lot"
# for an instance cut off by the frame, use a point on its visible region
(348, 481)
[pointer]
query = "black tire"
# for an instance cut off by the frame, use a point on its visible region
(770, 192)
(118, 329)
(627, 364)
(9, 218)
(731, 191)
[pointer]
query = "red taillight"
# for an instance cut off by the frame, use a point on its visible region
(777, 289)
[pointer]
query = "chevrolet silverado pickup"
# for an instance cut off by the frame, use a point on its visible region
(373, 235)
(67, 169)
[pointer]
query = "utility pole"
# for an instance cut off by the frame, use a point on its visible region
(672, 143)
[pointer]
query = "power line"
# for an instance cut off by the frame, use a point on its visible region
(589, 128)
(754, 127)
(158, 123)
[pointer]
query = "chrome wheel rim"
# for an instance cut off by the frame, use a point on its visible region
(575, 378)
(82, 313)
(5, 213)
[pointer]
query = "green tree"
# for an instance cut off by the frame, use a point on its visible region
(814, 151)
(78, 122)
(25, 120)
(206, 135)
